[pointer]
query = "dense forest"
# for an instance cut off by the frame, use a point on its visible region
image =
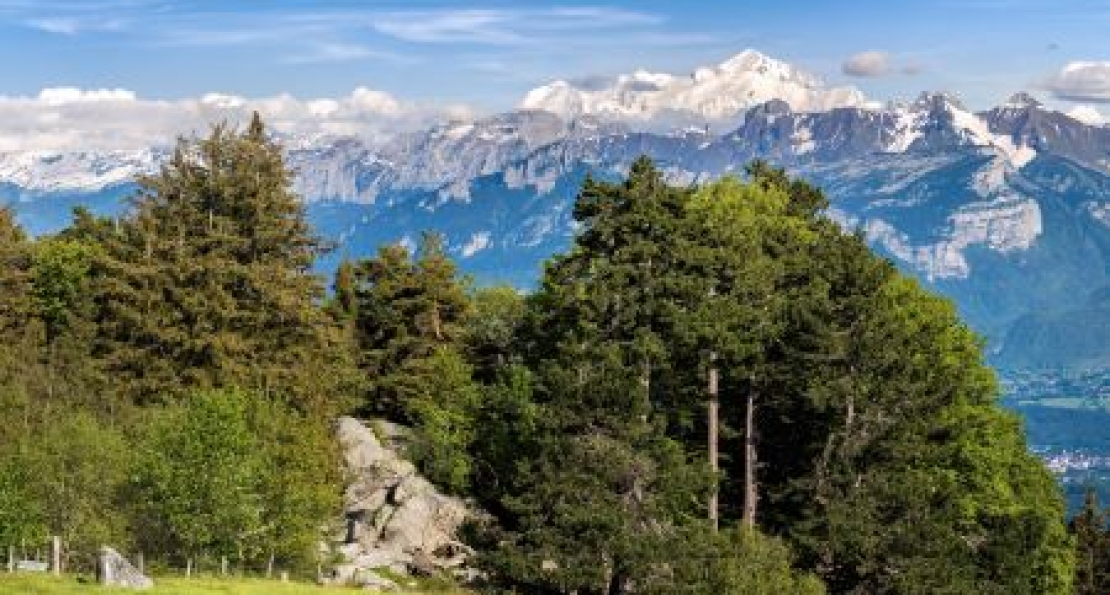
(716, 390)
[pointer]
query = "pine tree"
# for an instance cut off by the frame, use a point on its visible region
(407, 309)
(603, 486)
(1092, 535)
(209, 283)
(15, 264)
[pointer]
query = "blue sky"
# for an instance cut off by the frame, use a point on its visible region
(488, 54)
(131, 73)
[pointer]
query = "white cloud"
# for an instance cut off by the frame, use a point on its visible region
(867, 64)
(69, 26)
(1088, 115)
(66, 118)
(508, 26)
(460, 26)
(340, 52)
(55, 96)
(1082, 81)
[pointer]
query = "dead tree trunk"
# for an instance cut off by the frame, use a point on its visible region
(750, 488)
(714, 436)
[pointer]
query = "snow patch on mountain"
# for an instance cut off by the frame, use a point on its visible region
(84, 171)
(710, 94)
(478, 241)
(1088, 115)
(1099, 211)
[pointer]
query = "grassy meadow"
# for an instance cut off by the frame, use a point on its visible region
(36, 584)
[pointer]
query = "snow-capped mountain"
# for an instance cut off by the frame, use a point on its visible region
(84, 171)
(712, 94)
(1005, 210)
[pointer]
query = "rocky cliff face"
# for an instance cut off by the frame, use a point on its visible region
(393, 519)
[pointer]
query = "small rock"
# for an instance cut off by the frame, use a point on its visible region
(114, 570)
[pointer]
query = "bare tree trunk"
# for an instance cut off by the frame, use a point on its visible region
(437, 325)
(714, 436)
(188, 568)
(750, 488)
(270, 565)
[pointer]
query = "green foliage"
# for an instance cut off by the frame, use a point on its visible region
(444, 401)
(492, 330)
(15, 253)
(407, 308)
(882, 454)
(508, 422)
(1092, 535)
(729, 562)
(200, 478)
(587, 508)
(59, 280)
(208, 282)
(226, 473)
(21, 513)
(80, 469)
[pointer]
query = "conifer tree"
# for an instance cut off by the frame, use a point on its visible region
(408, 309)
(208, 282)
(15, 261)
(1092, 535)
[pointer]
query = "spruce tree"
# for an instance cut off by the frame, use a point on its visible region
(208, 282)
(1092, 535)
(408, 309)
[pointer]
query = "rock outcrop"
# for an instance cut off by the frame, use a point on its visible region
(115, 571)
(394, 519)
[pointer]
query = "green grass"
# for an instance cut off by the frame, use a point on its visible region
(34, 584)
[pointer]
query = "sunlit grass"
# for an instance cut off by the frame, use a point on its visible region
(35, 584)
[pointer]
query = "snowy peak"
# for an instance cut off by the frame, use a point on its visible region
(1022, 101)
(936, 121)
(84, 171)
(711, 94)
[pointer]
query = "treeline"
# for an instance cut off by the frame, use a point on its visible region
(167, 378)
(715, 390)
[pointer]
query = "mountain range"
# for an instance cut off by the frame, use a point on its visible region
(1006, 210)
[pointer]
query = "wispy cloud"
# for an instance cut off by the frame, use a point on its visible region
(1082, 81)
(458, 26)
(344, 52)
(510, 26)
(75, 25)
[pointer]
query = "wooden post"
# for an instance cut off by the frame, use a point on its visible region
(188, 568)
(270, 566)
(284, 576)
(56, 555)
(11, 559)
(141, 563)
(223, 565)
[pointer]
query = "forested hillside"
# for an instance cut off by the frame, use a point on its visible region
(715, 390)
